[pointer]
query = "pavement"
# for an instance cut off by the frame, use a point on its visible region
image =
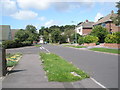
(29, 72)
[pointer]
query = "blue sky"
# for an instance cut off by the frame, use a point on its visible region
(19, 13)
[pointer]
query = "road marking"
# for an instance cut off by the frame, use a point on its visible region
(47, 50)
(98, 83)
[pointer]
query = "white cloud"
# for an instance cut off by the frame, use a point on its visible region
(7, 7)
(98, 16)
(41, 18)
(24, 15)
(50, 23)
(36, 4)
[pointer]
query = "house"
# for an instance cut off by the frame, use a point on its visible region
(84, 28)
(5, 33)
(13, 31)
(108, 23)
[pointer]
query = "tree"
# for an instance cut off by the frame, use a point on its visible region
(31, 28)
(21, 35)
(116, 20)
(41, 31)
(99, 32)
(56, 36)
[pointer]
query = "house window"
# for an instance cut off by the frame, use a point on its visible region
(103, 24)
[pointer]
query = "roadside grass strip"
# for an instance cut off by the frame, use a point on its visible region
(37, 45)
(76, 46)
(12, 59)
(58, 69)
(116, 51)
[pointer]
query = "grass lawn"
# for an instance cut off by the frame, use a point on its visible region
(116, 51)
(58, 69)
(76, 46)
(37, 45)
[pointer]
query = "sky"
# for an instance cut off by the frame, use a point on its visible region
(19, 13)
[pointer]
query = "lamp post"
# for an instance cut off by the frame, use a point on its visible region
(75, 33)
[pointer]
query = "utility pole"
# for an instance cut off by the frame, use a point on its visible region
(75, 32)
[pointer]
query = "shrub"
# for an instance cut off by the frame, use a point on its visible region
(81, 40)
(27, 43)
(113, 38)
(99, 32)
(90, 39)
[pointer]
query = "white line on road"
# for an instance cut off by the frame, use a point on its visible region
(98, 83)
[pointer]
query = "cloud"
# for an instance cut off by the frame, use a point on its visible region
(24, 15)
(41, 18)
(36, 4)
(50, 23)
(98, 16)
(7, 7)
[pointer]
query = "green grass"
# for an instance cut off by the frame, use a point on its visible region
(76, 46)
(58, 69)
(116, 51)
(37, 45)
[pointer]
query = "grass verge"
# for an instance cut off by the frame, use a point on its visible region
(58, 69)
(37, 45)
(76, 46)
(116, 51)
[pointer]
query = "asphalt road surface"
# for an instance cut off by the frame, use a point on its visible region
(101, 67)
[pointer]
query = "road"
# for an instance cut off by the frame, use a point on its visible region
(101, 67)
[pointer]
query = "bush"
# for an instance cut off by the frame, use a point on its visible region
(27, 43)
(81, 40)
(15, 44)
(99, 32)
(113, 38)
(90, 39)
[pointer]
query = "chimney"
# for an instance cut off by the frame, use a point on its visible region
(112, 12)
(86, 20)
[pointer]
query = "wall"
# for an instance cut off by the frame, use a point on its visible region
(113, 27)
(112, 45)
(5, 32)
(86, 31)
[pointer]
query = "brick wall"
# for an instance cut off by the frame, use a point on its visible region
(86, 31)
(113, 27)
(112, 45)
(90, 44)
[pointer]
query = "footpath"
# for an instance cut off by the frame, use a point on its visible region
(29, 74)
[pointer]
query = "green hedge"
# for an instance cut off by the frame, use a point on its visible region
(15, 44)
(81, 40)
(113, 38)
(90, 39)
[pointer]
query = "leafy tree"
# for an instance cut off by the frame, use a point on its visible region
(56, 36)
(116, 20)
(21, 35)
(31, 28)
(41, 31)
(99, 32)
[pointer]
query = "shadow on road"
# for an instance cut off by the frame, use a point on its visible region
(15, 71)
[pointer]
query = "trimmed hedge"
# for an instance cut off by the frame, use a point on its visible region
(113, 38)
(15, 44)
(90, 39)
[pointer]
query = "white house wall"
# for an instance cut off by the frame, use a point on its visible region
(79, 30)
